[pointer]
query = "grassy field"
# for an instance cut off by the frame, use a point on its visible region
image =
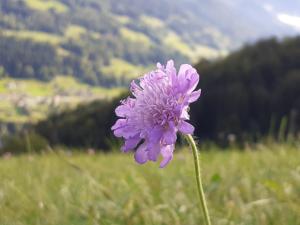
(121, 68)
(37, 97)
(259, 186)
(45, 5)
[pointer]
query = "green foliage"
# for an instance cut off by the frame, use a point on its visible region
(25, 142)
(81, 127)
(255, 187)
(24, 59)
(250, 91)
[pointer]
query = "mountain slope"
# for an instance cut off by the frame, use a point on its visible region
(105, 42)
(244, 96)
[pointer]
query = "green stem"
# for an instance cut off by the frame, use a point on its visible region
(198, 178)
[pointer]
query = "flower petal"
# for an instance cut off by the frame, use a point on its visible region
(171, 71)
(141, 155)
(169, 136)
(186, 128)
(157, 111)
(188, 78)
(155, 134)
(125, 108)
(135, 89)
(119, 123)
(131, 143)
(153, 152)
(123, 129)
(194, 96)
(184, 114)
(167, 154)
(159, 66)
(118, 126)
(122, 110)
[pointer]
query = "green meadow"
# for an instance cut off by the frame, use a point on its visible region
(37, 97)
(260, 185)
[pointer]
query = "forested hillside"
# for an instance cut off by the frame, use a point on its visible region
(105, 42)
(252, 93)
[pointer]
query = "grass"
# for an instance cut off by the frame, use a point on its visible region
(122, 19)
(122, 69)
(172, 40)
(74, 32)
(8, 110)
(59, 84)
(152, 22)
(36, 36)
(253, 187)
(135, 37)
(202, 51)
(14, 91)
(45, 5)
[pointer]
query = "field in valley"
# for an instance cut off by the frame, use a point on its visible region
(259, 186)
(31, 100)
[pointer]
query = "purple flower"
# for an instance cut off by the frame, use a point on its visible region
(150, 120)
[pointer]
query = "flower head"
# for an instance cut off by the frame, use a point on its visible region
(158, 109)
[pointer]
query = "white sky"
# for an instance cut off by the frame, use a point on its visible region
(287, 19)
(293, 21)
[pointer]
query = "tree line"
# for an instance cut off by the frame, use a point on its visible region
(252, 93)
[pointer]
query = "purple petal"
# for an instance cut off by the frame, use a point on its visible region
(155, 134)
(131, 143)
(171, 71)
(122, 110)
(185, 127)
(157, 111)
(153, 152)
(184, 114)
(170, 66)
(141, 155)
(188, 78)
(194, 96)
(159, 66)
(167, 154)
(122, 129)
(135, 89)
(125, 108)
(120, 123)
(169, 136)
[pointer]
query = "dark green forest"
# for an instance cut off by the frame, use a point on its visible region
(250, 94)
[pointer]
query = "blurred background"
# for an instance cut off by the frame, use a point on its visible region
(65, 64)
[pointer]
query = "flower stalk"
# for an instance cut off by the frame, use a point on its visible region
(192, 143)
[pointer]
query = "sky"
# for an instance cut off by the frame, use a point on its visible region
(287, 15)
